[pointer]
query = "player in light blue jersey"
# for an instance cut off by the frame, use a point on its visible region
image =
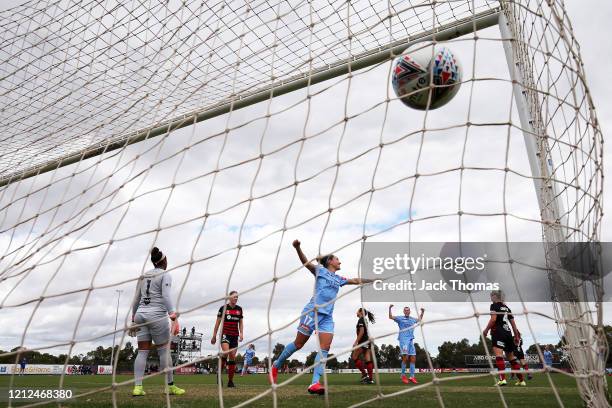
(249, 353)
(317, 314)
(406, 340)
(548, 357)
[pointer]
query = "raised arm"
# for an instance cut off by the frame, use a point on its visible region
(297, 245)
(358, 281)
(391, 314)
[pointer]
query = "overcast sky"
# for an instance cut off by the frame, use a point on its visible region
(40, 269)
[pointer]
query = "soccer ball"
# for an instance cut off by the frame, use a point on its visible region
(414, 72)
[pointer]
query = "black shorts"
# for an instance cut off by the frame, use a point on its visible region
(504, 342)
(519, 353)
(366, 347)
(231, 340)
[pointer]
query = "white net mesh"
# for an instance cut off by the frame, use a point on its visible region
(336, 162)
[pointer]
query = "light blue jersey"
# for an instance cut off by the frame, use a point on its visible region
(327, 286)
(248, 355)
(548, 358)
(406, 327)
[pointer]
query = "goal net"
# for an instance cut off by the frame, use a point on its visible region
(222, 131)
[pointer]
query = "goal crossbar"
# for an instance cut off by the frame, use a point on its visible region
(378, 55)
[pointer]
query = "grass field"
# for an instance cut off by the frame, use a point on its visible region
(344, 390)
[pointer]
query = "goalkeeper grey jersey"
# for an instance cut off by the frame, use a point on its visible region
(153, 293)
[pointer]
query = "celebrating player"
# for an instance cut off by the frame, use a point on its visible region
(249, 353)
(502, 337)
(406, 340)
(317, 314)
(366, 346)
(151, 308)
(232, 333)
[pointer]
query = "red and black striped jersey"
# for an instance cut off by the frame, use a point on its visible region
(232, 318)
(361, 323)
(502, 319)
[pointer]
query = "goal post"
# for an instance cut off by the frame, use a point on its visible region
(575, 324)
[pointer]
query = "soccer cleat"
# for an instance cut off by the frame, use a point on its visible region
(316, 388)
(274, 375)
(174, 390)
(501, 383)
(138, 391)
(370, 381)
(364, 379)
(413, 380)
(404, 379)
(521, 383)
(230, 384)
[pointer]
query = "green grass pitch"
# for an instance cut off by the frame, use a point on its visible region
(344, 390)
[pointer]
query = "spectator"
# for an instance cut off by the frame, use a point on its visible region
(22, 365)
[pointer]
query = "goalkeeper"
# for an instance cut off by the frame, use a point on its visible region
(151, 308)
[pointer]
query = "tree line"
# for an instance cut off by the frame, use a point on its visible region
(450, 354)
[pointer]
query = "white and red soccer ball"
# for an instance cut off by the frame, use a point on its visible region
(418, 73)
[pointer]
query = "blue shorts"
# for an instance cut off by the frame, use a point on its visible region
(325, 323)
(248, 362)
(407, 347)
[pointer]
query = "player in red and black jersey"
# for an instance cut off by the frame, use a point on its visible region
(520, 354)
(502, 326)
(364, 346)
(231, 334)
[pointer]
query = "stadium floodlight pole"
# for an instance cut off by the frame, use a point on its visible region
(115, 332)
(583, 357)
(378, 55)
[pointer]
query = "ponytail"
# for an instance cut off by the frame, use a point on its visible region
(367, 314)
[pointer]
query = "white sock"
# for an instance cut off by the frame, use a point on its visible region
(165, 362)
(139, 366)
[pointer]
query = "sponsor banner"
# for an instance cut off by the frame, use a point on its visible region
(483, 360)
(422, 370)
(469, 271)
(52, 369)
(186, 370)
(104, 369)
(38, 369)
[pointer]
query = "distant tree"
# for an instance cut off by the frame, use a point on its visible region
(310, 359)
(608, 332)
(421, 357)
(452, 354)
(278, 349)
(128, 353)
(332, 363)
(295, 363)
